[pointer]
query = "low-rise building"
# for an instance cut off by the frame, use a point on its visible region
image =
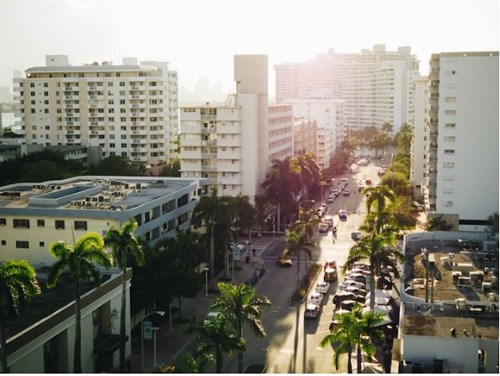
(34, 215)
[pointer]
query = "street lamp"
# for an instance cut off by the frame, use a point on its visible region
(161, 313)
(206, 280)
(155, 329)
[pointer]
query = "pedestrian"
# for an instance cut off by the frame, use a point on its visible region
(253, 251)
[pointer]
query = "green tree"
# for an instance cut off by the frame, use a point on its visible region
(380, 251)
(298, 244)
(172, 168)
(282, 184)
(124, 245)
(217, 336)
(396, 182)
(211, 212)
(378, 197)
(354, 329)
(18, 285)
(240, 305)
(80, 260)
(437, 222)
(118, 166)
(310, 173)
(244, 213)
(403, 139)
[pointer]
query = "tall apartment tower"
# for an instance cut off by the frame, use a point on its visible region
(418, 155)
(233, 144)
(374, 83)
(462, 172)
(128, 110)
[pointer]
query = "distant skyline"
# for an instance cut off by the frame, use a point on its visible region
(199, 38)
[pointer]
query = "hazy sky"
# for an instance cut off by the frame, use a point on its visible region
(200, 37)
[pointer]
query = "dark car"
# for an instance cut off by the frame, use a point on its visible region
(341, 296)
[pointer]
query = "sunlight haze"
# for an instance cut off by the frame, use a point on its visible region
(199, 38)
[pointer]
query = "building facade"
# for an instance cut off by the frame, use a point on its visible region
(128, 110)
(462, 138)
(373, 83)
(32, 216)
(419, 145)
(233, 144)
(305, 136)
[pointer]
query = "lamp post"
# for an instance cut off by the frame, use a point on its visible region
(155, 329)
(161, 313)
(206, 280)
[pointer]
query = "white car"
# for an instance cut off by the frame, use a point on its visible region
(342, 214)
(212, 316)
(322, 287)
(312, 311)
(315, 298)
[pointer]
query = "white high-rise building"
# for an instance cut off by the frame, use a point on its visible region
(374, 83)
(233, 144)
(128, 110)
(462, 138)
(328, 114)
(418, 124)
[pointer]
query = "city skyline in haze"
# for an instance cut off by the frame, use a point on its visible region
(200, 38)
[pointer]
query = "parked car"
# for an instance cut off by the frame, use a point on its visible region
(323, 287)
(356, 235)
(315, 298)
(330, 275)
(323, 228)
(330, 264)
(211, 317)
(284, 260)
(341, 296)
(312, 311)
(346, 192)
(331, 199)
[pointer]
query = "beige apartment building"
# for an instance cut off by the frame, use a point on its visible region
(233, 144)
(305, 135)
(128, 110)
(374, 83)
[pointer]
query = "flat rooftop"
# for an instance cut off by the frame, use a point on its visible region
(464, 276)
(90, 192)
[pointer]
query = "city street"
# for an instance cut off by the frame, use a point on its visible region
(292, 348)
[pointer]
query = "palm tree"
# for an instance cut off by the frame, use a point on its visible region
(124, 244)
(307, 223)
(211, 211)
(80, 261)
(17, 286)
(282, 183)
(378, 196)
(217, 336)
(310, 172)
(297, 244)
(380, 250)
(354, 329)
(244, 213)
(240, 305)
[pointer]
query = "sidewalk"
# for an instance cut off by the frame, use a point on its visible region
(170, 344)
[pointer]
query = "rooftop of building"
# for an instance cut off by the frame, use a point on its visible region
(90, 192)
(462, 289)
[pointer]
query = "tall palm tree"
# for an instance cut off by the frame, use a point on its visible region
(307, 223)
(217, 336)
(310, 171)
(354, 329)
(378, 196)
(18, 285)
(80, 260)
(124, 244)
(240, 305)
(380, 250)
(243, 212)
(282, 183)
(209, 212)
(298, 244)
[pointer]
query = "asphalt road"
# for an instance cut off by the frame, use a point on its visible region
(292, 343)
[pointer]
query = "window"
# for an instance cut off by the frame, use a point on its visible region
(59, 224)
(450, 125)
(450, 112)
(21, 223)
(449, 165)
(3, 222)
(42, 244)
(81, 225)
(4, 242)
(449, 151)
(40, 222)
(22, 244)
